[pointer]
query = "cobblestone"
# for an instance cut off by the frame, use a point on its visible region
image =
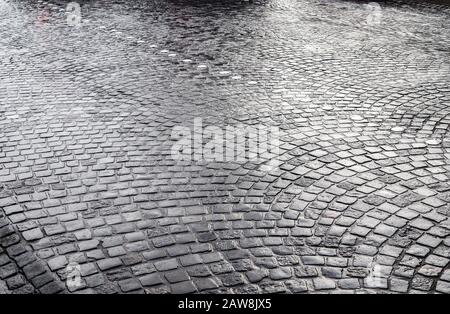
(356, 200)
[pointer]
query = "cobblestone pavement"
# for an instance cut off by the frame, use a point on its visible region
(358, 202)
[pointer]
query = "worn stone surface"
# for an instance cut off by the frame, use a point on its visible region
(356, 201)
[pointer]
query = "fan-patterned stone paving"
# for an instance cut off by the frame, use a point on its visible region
(358, 202)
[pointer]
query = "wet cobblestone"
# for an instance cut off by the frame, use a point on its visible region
(359, 201)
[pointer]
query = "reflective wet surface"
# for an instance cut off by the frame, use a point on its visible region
(357, 202)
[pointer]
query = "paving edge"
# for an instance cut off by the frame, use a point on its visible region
(22, 260)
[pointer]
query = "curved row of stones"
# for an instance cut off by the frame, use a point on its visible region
(357, 202)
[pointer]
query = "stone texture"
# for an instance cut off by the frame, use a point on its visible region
(355, 200)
